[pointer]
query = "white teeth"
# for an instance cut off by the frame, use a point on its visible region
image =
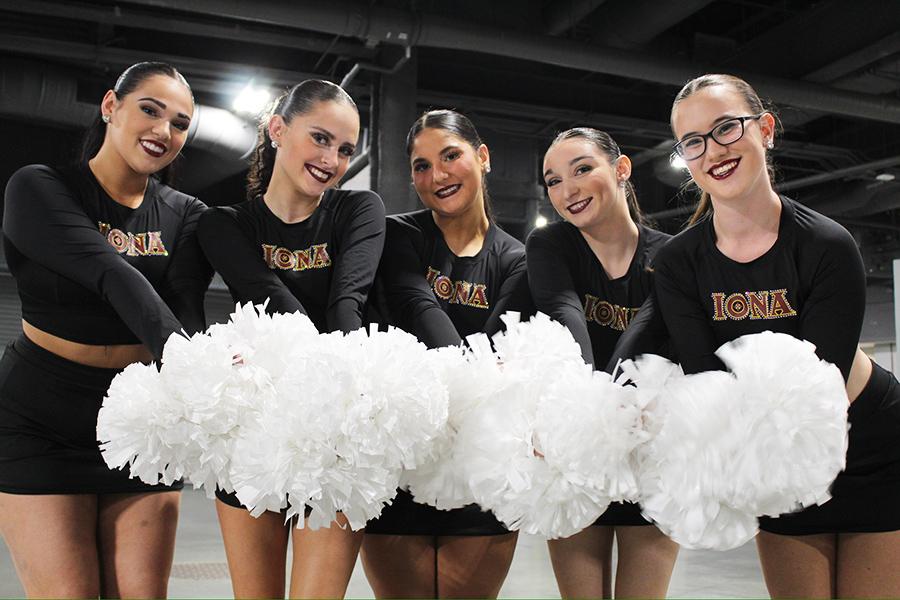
(724, 168)
(319, 173)
(447, 191)
(153, 147)
(576, 207)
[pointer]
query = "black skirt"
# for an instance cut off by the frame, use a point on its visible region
(866, 495)
(48, 426)
(405, 516)
(622, 514)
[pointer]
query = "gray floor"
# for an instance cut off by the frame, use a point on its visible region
(200, 571)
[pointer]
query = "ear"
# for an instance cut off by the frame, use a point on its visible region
(484, 157)
(276, 127)
(109, 103)
(623, 168)
(767, 126)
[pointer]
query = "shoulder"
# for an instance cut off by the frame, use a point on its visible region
(815, 230)
(679, 249)
(176, 201)
(553, 233)
(504, 243)
(651, 241)
(34, 176)
(216, 217)
(350, 204)
(413, 224)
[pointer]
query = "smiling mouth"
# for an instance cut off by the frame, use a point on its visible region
(446, 192)
(723, 169)
(318, 174)
(154, 149)
(577, 207)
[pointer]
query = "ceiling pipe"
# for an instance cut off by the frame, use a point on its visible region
(566, 14)
(388, 25)
(633, 23)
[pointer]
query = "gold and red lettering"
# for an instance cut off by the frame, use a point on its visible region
(762, 304)
(314, 257)
(461, 292)
(134, 244)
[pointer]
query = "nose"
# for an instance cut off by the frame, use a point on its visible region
(570, 190)
(438, 174)
(714, 148)
(329, 157)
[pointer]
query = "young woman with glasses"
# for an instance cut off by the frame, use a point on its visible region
(746, 238)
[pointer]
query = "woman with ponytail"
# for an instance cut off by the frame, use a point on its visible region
(108, 267)
(747, 239)
(591, 272)
(294, 210)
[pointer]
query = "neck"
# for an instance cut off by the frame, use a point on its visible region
(749, 217)
(287, 203)
(464, 234)
(117, 179)
(613, 241)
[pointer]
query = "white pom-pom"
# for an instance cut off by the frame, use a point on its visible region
(135, 424)
(796, 414)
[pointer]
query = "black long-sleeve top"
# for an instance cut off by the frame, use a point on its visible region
(441, 298)
(810, 284)
(93, 271)
(569, 283)
(322, 266)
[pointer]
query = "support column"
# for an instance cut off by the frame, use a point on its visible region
(393, 112)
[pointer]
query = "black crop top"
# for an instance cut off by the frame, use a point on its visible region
(322, 266)
(441, 298)
(93, 271)
(569, 283)
(810, 284)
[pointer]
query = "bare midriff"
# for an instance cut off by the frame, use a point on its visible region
(117, 356)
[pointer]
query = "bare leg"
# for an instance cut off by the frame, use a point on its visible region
(136, 541)
(401, 566)
(646, 560)
(52, 540)
(324, 560)
(798, 566)
(256, 550)
(868, 565)
(473, 566)
(582, 563)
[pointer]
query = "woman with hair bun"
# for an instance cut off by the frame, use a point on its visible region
(108, 267)
(303, 245)
(591, 272)
(747, 240)
(448, 271)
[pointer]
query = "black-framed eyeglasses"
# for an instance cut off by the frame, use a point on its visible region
(727, 132)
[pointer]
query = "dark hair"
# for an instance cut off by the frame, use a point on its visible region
(298, 100)
(610, 149)
(754, 103)
(127, 82)
(460, 126)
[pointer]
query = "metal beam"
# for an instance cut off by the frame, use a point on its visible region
(634, 23)
(566, 14)
(377, 24)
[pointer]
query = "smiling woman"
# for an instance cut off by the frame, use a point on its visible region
(448, 271)
(302, 245)
(123, 273)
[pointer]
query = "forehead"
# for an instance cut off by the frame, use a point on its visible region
(168, 90)
(339, 118)
(700, 111)
(431, 141)
(562, 152)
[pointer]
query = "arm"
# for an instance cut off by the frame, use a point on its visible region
(689, 329)
(832, 314)
(361, 243)
(554, 292)
(240, 263)
(408, 293)
(46, 223)
(189, 273)
(646, 334)
(513, 295)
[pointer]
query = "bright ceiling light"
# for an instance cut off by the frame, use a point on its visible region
(677, 162)
(885, 177)
(252, 100)
(541, 221)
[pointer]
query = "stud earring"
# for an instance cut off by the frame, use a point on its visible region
(487, 168)
(274, 144)
(105, 118)
(770, 144)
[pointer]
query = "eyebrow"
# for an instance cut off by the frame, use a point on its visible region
(571, 162)
(724, 117)
(163, 106)
(419, 159)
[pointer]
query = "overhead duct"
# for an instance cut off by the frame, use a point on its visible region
(633, 23)
(394, 26)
